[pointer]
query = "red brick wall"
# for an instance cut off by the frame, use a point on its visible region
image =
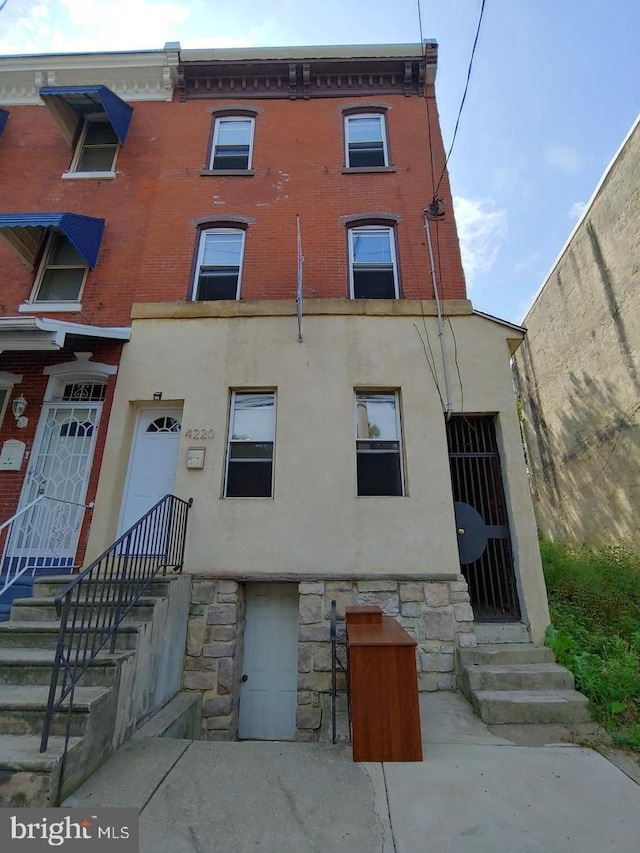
(149, 242)
(32, 388)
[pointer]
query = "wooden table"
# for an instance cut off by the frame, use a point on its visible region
(383, 689)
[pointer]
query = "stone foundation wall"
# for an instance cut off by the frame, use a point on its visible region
(437, 613)
(213, 662)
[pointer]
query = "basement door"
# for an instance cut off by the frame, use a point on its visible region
(484, 540)
(153, 463)
(268, 691)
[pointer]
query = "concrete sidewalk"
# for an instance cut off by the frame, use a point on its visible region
(474, 792)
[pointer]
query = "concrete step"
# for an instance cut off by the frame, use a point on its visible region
(43, 610)
(531, 706)
(501, 632)
(27, 776)
(518, 676)
(34, 667)
(506, 653)
(50, 586)
(22, 709)
(44, 635)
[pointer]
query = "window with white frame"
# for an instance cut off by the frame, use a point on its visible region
(232, 145)
(365, 140)
(62, 272)
(251, 440)
(378, 444)
(97, 146)
(373, 271)
(219, 264)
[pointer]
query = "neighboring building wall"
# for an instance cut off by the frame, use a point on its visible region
(578, 371)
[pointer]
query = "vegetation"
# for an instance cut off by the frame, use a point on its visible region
(594, 600)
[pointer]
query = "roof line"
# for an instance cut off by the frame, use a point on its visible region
(499, 320)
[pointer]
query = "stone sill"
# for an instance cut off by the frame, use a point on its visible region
(292, 577)
(366, 170)
(288, 308)
(227, 173)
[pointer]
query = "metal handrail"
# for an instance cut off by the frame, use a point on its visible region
(335, 662)
(94, 604)
(23, 564)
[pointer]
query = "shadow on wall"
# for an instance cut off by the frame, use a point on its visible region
(585, 469)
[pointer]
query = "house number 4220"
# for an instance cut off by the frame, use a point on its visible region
(199, 434)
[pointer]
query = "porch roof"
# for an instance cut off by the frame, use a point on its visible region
(42, 333)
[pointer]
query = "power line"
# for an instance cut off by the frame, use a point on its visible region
(464, 95)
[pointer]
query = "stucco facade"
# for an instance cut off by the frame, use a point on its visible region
(578, 370)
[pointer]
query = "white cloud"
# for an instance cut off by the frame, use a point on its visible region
(563, 158)
(577, 209)
(482, 230)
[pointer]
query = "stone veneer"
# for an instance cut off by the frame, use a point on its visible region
(436, 612)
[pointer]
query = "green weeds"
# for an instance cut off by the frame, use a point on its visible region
(594, 599)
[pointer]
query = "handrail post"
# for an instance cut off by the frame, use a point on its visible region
(333, 671)
(64, 618)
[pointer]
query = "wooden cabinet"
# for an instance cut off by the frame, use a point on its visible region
(383, 688)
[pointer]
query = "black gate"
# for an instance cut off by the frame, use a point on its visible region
(481, 518)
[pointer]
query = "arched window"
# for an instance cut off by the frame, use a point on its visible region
(164, 424)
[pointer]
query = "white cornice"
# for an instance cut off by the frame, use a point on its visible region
(135, 76)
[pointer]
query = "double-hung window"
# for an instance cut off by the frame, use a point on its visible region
(232, 145)
(219, 264)
(378, 444)
(62, 272)
(373, 269)
(365, 140)
(97, 146)
(251, 438)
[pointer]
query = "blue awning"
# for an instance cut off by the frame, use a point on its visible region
(70, 104)
(24, 233)
(4, 115)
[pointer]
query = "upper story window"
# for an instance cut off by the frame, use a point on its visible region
(62, 272)
(219, 264)
(365, 140)
(251, 438)
(373, 272)
(232, 146)
(378, 444)
(97, 146)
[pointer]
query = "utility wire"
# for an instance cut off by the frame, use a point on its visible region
(464, 95)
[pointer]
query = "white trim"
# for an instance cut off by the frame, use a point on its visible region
(230, 423)
(380, 392)
(55, 239)
(80, 370)
(216, 130)
(39, 307)
(100, 118)
(383, 131)
(201, 246)
(392, 246)
(583, 216)
(44, 333)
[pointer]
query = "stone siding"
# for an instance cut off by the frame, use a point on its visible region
(436, 613)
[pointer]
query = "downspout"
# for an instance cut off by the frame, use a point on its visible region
(447, 390)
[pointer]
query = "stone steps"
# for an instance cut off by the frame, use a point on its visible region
(23, 708)
(28, 775)
(49, 587)
(509, 681)
(33, 667)
(43, 610)
(44, 635)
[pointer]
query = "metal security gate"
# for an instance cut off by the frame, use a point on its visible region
(482, 524)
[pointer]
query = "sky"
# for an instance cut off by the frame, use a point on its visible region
(553, 92)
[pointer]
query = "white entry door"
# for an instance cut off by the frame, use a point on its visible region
(152, 467)
(268, 692)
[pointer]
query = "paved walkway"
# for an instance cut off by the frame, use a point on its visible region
(475, 792)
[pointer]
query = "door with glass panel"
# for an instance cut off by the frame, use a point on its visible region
(52, 502)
